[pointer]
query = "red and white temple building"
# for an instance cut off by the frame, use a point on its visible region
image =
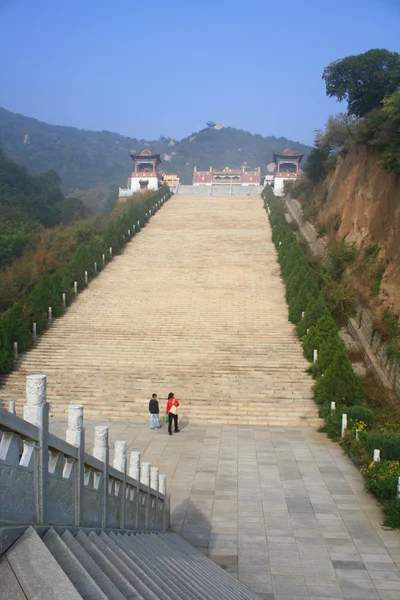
(145, 175)
(287, 168)
(227, 176)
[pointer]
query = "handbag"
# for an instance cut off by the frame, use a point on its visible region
(173, 410)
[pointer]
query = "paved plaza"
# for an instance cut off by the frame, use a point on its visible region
(282, 509)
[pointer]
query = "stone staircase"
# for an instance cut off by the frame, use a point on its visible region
(112, 566)
(194, 305)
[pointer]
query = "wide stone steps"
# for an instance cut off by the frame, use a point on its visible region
(194, 305)
(114, 566)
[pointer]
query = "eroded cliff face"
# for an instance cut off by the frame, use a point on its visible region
(368, 202)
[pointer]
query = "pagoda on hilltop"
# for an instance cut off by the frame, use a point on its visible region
(287, 168)
(145, 174)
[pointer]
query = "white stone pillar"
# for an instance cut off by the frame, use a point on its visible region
(104, 260)
(76, 289)
(11, 407)
(333, 408)
(162, 484)
(110, 251)
(129, 232)
(15, 350)
(35, 398)
(315, 356)
(344, 424)
(377, 455)
(64, 301)
(302, 314)
(86, 277)
(75, 424)
(154, 474)
(50, 315)
(145, 480)
(120, 456)
(398, 487)
(134, 465)
(34, 332)
(357, 435)
(95, 268)
(100, 449)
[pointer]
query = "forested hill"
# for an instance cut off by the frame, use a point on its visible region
(85, 159)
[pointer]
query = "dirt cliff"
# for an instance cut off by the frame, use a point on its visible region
(367, 200)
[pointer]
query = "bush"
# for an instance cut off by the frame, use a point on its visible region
(339, 383)
(387, 442)
(17, 329)
(316, 308)
(6, 351)
(392, 513)
(360, 414)
(382, 477)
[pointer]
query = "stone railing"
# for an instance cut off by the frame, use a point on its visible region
(46, 480)
(362, 324)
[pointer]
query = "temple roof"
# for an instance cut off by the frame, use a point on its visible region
(288, 153)
(146, 153)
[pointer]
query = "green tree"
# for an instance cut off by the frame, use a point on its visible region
(363, 80)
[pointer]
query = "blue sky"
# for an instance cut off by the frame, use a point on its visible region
(146, 68)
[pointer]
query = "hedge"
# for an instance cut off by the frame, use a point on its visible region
(16, 323)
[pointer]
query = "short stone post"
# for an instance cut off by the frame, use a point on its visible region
(344, 424)
(333, 408)
(50, 315)
(75, 435)
(104, 260)
(101, 452)
(154, 474)
(302, 314)
(307, 331)
(129, 232)
(86, 278)
(398, 487)
(110, 249)
(145, 480)
(11, 407)
(36, 411)
(34, 332)
(138, 225)
(120, 465)
(15, 350)
(357, 435)
(76, 289)
(95, 268)
(64, 301)
(134, 229)
(377, 455)
(315, 356)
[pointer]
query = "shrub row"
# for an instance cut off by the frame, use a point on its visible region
(316, 328)
(17, 322)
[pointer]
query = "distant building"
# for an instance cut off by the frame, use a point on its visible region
(287, 168)
(227, 176)
(172, 180)
(145, 174)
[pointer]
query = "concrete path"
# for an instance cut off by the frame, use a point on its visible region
(281, 508)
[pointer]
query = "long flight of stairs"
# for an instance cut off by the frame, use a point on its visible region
(112, 566)
(194, 305)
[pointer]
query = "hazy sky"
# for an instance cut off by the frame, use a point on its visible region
(146, 68)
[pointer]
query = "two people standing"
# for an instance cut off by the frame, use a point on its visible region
(171, 411)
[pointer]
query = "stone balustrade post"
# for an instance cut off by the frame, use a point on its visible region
(75, 436)
(138, 224)
(134, 229)
(357, 435)
(64, 301)
(76, 289)
(50, 315)
(315, 356)
(15, 350)
(333, 408)
(36, 411)
(86, 278)
(101, 452)
(104, 260)
(344, 424)
(377, 455)
(145, 480)
(134, 472)
(154, 475)
(302, 314)
(95, 268)
(34, 332)
(129, 232)
(120, 465)
(110, 251)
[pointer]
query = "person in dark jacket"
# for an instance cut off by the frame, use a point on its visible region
(154, 411)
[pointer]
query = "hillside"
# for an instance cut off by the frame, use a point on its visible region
(86, 159)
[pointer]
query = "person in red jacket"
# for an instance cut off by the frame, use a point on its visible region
(172, 412)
